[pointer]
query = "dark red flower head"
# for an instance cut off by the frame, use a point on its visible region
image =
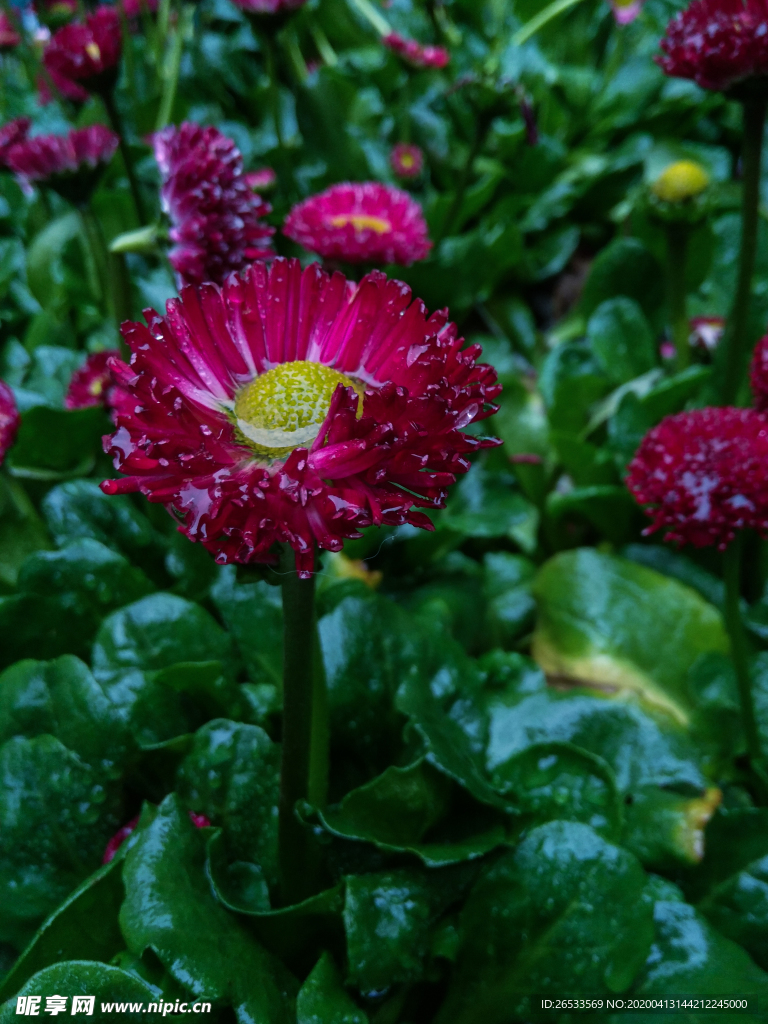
(269, 7)
(215, 216)
(11, 133)
(9, 37)
(361, 223)
(758, 374)
(407, 160)
(717, 43)
(9, 419)
(295, 407)
(704, 475)
(87, 54)
(70, 164)
(92, 383)
(415, 54)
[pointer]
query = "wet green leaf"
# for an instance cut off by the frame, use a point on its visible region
(323, 1000)
(253, 612)
(621, 339)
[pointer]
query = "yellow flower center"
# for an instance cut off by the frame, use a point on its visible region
(406, 160)
(96, 387)
(361, 222)
(284, 408)
(680, 181)
(93, 51)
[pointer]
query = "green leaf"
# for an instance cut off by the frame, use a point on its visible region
(83, 927)
(323, 1000)
(571, 382)
(621, 339)
(625, 267)
(169, 908)
(62, 698)
(253, 613)
(389, 918)
(488, 504)
(608, 508)
(239, 885)
(738, 907)
(54, 444)
(623, 629)
(56, 816)
(22, 532)
(44, 256)
(109, 985)
(565, 913)
(157, 632)
(232, 775)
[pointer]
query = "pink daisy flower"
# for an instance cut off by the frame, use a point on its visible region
(70, 164)
(625, 11)
(216, 218)
(293, 406)
(414, 53)
(407, 160)
(9, 37)
(11, 133)
(9, 419)
(269, 7)
(360, 223)
(91, 384)
(261, 180)
(86, 54)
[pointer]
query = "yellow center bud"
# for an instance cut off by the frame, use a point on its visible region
(680, 181)
(93, 51)
(284, 408)
(361, 222)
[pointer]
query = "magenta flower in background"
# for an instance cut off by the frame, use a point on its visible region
(261, 180)
(361, 223)
(91, 384)
(216, 217)
(86, 53)
(269, 7)
(9, 419)
(295, 406)
(703, 475)
(70, 164)
(758, 374)
(117, 840)
(407, 160)
(135, 8)
(11, 133)
(625, 11)
(9, 37)
(717, 43)
(706, 331)
(415, 54)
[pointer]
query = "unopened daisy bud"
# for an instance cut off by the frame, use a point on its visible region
(681, 181)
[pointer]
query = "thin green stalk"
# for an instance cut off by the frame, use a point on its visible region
(299, 683)
(541, 19)
(734, 344)
(323, 45)
(735, 626)
(677, 253)
(111, 271)
(461, 188)
(171, 70)
(117, 125)
(369, 12)
(97, 253)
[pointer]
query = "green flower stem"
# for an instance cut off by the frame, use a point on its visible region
(461, 188)
(172, 69)
(677, 253)
(323, 45)
(116, 121)
(541, 19)
(734, 346)
(300, 681)
(110, 269)
(99, 258)
(376, 19)
(735, 626)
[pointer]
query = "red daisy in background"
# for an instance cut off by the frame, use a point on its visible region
(717, 43)
(216, 217)
(361, 223)
(11, 133)
(86, 53)
(407, 160)
(297, 407)
(261, 180)
(758, 374)
(414, 53)
(70, 164)
(703, 475)
(9, 37)
(269, 7)
(92, 383)
(9, 419)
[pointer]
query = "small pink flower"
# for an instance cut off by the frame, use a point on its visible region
(407, 160)
(706, 331)
(88, 53)
(297, 407)
(414, 53)
(667, 350)
(9, 419)
(261, 180)
(91, 384)
(9, 37)
(625, 11)
(117, 840)
(361, 223)
(70, 164)
(216, 218)
(11, 133)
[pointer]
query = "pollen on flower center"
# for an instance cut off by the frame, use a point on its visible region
(361, 222)
(284, 407)
(93, 51)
